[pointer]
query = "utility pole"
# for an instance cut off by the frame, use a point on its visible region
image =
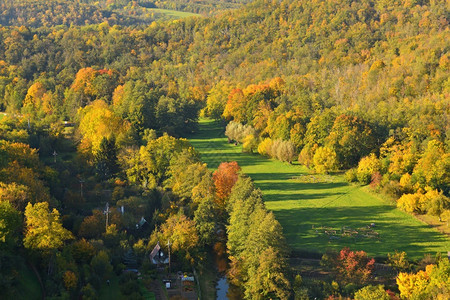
(81, 187)
(106, 212)
(54, 155)
(168, 246)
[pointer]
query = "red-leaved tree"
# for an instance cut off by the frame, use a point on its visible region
(350, 266)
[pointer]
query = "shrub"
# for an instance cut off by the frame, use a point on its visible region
(324, 160)
(250, 143)
(264, 148)
(412, 203)
(371, 292)
(367, 166)
(350, 175)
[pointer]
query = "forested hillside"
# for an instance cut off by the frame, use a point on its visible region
(95, 96)
(38, 13)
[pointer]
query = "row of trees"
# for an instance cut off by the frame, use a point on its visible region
(256, 246)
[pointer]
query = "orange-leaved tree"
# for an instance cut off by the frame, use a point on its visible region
(224, 179)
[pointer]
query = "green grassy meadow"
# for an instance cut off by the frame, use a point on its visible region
(319, 212)
(172, 13)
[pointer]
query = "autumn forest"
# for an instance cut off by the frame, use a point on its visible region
(115, 116)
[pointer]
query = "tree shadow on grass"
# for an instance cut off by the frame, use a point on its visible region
(402, 234)
(281, 185)
(297, 196)
(213, 159)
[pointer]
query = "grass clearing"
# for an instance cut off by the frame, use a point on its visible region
(173, 13)
(307, 205)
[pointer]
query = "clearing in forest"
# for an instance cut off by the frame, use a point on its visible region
(318, 212)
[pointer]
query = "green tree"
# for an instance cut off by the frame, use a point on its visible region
(267, 280)
(105, 159)
(101, 266)
(205, 219)
(10, 224)
(351, 138)
(180, 231)
(150, 166)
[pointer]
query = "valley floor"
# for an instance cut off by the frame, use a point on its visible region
(319, 212)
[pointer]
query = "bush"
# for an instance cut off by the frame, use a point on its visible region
(412, 203)
(282, 150)
(250, 143)
(306, 155)
(235, 131)
(324, 160)
(367, 166)
(392, 189)
(371, 292)
(351, 176)
(264, 148)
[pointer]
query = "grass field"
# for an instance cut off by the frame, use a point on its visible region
(319, 212)
(173, 13)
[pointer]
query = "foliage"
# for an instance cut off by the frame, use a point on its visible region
(351, 138)
(434, 282)
(10, 222)
(205, 219)
(256, 245)
(92, 226)
(186, 173)
(371, 292)
(250, 143)
(265, 147)
(350, 266)
(324, 160)
(101, 266)
(283, 150)
(149, 166)
(399, 261)
(180, 231)
(431, 202)
(268, 280)
(217, 99)
(17, 195)
(105, 159)
(97, 121)
(70, 280)
(237, 132)
(433, 168)
(44, 231)
(224, 179)
(367, 166)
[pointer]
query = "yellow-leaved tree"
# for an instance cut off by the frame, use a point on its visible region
(98, 121)
(431, 283)
(44, 231)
